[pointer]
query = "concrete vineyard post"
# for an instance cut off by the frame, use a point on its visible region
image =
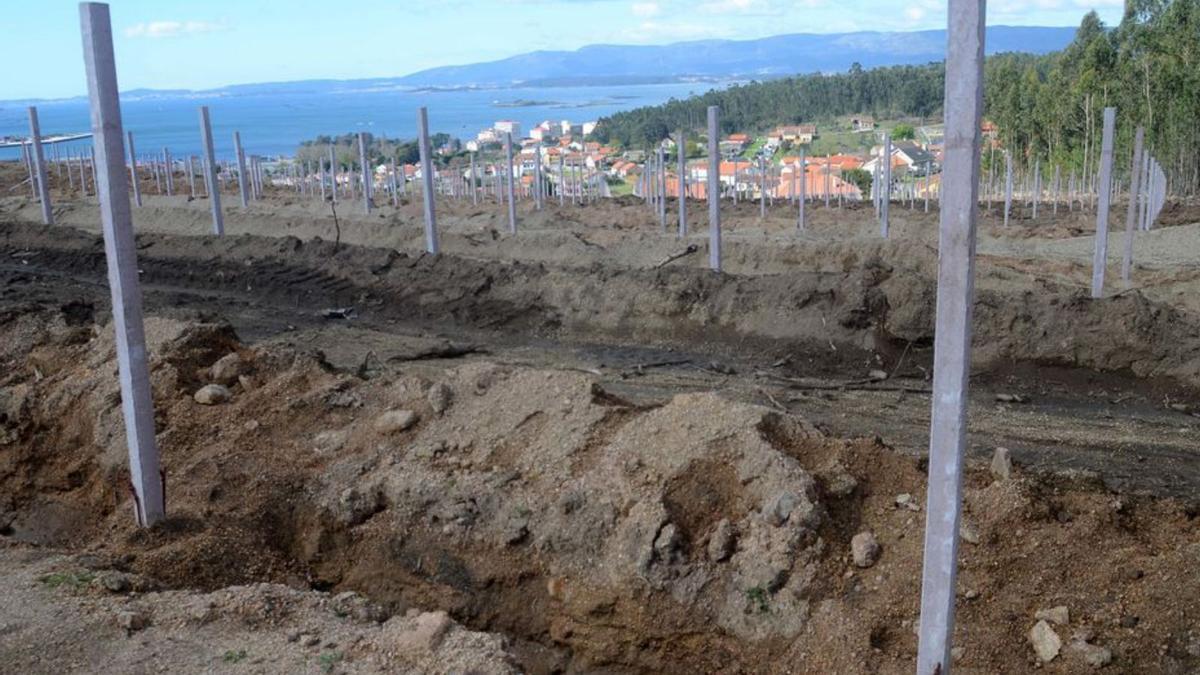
(1008, 185)
(762, 187)
(71, 176)
(661, 179)
(210, 172)
(39, 167)
(367, 182)
(537, 177)
(681, 151)
(332, 176)
(1057, 187)
(431, 234)
(803, 188)
(952, 335)
(1037, 186)
(512, 205)
(191, 169)
(121, 253)
(1100, 253)
(828, 178)
(92, 155)
(886, 197)
(562, 179)
(170, 171)
(241, 161)
(33, 189)
(1135, 186)
(133, 175)
(392, 182)
(714, 191)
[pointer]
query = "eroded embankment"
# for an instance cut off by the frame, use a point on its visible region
(873, 301)
(702, 535)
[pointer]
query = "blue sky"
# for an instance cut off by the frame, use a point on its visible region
(165, 44)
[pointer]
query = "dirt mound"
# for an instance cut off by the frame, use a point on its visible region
(701, 535)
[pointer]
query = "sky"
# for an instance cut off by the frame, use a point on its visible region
(201, 44)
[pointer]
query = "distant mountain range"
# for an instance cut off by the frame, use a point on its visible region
(702, 60)
(799, 53)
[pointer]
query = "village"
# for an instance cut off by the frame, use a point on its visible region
(778, 164)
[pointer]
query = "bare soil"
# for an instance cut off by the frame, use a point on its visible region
(614, 467)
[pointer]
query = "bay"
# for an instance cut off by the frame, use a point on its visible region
(274, 124)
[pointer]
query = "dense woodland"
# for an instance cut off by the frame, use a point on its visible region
(1047, 108)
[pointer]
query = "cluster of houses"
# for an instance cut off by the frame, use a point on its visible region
(774, 167)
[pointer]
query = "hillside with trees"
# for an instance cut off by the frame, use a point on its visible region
(1047, 107)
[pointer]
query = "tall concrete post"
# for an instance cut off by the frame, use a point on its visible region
(714, 190)
(762, 187)
(395, 184)
(512, 204)
(1135, 187)
(661, 179)
(952, 334)
(471, 183)
(886, 196)
(537, 177)
(1057, 187)
(800, 225)
(681, 150)
(241, 161)
(1104, 193)
(191, 169)
(133, 371)
(133, 174)
(367, 177)
(332, 175)
(829, 179)
(39, 166)
(1008, 185)
(562, 178)
(431, 233)
(170, 170)
(1037, 186)
(210, 173)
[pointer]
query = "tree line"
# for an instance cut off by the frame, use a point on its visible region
(1047, 108)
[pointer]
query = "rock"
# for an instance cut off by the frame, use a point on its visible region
(328, 442)
(667, 543)
(1001, 464)
(1010, 398)
(968, 533)
(1046, 643)
(1129, 621)
(838, 481)
(1059, 616)
(352, 605)
(864, 549)
(116, 582)
(877, 375)
(394, 421)
(131, 620)
(427, 633)
(956, 653)
(227, 369)
(1093, 655)
(905, 501)
(778, 509)
(721, 542)
(247, 383)
(213, 394)
(440, 397)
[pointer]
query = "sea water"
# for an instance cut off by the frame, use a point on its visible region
(274, 124)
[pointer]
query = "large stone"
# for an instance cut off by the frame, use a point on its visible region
(779, 508)
(721, 542)
(1001, 464)
(213, 394)
(864, 549)
(394, 421)
(426, 634)
(440, 397)
(1046, 643)
(1059, 616)
(227, 369)
(1093, 655)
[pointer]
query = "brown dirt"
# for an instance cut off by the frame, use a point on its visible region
(606, 427)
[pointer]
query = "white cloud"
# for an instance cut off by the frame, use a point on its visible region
(166, 29)
(646, 9)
